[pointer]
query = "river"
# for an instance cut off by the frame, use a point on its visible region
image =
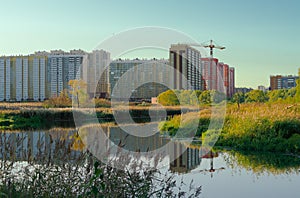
(221, 173)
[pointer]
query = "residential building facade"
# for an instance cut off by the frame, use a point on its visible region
(209, 73)
(283, 82)
(22, 78)
(61, 68)
(147, 73)
(186, 60)
(218, 76)
(96, 73)
(38, 76)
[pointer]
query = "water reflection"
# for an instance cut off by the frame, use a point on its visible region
(39, 146)
(66, 145)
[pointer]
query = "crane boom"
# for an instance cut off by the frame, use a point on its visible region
(211, 46)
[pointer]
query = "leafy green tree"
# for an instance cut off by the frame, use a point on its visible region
(194, 97)
(197, 93)
(292, 92)
(276, 95)
(184, 97)
(297, 96)
(168, 98)
(205, 97)
(217, 97)
(238, 97)
(256, 96)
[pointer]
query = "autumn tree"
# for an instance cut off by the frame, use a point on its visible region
(78, 91)
(63, 100)
(168, 98)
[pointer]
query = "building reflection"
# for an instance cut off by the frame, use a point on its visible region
(66, 145)
(186, 156)
(38, 146)
(187, 160)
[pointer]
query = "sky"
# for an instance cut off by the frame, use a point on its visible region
(261, 37)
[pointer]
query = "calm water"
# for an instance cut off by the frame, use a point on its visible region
(220, 173)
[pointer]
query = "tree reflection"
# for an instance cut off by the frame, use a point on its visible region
(264, 163)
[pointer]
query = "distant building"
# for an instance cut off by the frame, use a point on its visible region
(61, 68)
(283, 82)
(231, 81)
(218, 76)
(96, 73)
(187, 61)
(23, 78)
(262, 88)
(142, 71)
(243, 90)
(38, 76)
(209, 73)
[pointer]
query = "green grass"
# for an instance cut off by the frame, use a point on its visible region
(252, 127)
(44, 118)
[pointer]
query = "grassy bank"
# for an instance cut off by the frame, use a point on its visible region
(253, 127)
(41, 118)
(18, 117)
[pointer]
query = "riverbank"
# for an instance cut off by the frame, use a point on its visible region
(18, 116)
(252, 127)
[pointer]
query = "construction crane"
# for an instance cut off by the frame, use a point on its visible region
(211, 46)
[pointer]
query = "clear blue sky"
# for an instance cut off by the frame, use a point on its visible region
(261, 37)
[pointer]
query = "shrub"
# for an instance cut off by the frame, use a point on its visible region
(100, 102)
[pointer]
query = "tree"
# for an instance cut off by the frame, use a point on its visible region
(217, 97)
(168, 98)
(78, 91)
(256, 96)
(280, 94)
(63, 100)
(198, 93)
(297, 96)
(184, 97)
(194, 97)
(238, 97)
(205, 97)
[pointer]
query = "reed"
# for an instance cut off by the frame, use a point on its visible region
(252, 127)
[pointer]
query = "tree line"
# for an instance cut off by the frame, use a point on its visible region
(190, 97)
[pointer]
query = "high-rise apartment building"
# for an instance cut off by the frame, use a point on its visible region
(226, 78)
(61, 68)
(96, 73)
(152, 71)
(218, 76)
(38, 76)
(21, 79)
(231, 81)
(186, 60)
(283, 82)
(210, 73)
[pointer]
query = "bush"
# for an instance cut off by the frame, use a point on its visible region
(100, 102)
(63, 100)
